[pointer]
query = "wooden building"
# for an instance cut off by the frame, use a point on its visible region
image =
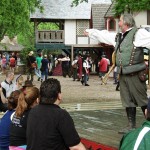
(72, 21)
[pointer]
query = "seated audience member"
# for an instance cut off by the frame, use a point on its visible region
(18, 82)
(26, 84)
(6, 121)
(138, 139)
(6, 89)
(49, 127)
(19, 120)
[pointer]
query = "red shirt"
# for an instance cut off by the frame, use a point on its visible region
(103, 65)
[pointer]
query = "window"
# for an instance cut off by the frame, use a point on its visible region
(111, 25)
(81, 26)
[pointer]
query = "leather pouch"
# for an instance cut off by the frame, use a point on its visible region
(143, 75)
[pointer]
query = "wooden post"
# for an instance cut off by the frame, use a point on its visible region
(35, 32)
(72, 53)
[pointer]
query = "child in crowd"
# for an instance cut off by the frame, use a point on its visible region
(18, 82)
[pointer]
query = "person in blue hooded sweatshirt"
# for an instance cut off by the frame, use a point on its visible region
(5, 121)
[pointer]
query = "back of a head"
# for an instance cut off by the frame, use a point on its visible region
(103, 56)
(39, 54)
(28, 83)
(86, 56)
(49, 91)
(31, 95)
(13, 99)
(128, 20)
(79, 55)
(45, 56)
(26, 100)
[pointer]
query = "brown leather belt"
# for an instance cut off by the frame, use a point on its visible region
(133, 74)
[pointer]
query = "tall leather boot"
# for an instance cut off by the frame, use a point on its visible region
(143, 109)
(131, 115)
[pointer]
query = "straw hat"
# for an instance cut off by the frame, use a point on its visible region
(145, 57)
(31, 53)
(45, 56)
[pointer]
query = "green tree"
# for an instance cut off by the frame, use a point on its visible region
(48, 26)
(77, 2)
(131, 6)
(27, 39)
(124, 5)
(14, 16)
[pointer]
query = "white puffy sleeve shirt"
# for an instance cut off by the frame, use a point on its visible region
(142, 37)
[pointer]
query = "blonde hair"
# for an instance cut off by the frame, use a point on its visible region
(27, 100)
(20, 80)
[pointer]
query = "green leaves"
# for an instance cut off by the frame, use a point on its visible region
(15, 16)
(77, 2)
(131, 6)
(123, 5)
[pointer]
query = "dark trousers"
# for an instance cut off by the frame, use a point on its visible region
(30, 73)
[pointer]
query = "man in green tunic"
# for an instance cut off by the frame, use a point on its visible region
(129, 58)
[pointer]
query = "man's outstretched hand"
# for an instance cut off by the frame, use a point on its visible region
(86, 33)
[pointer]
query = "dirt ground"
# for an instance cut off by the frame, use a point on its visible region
(75, 92)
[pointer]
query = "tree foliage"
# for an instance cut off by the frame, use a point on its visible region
(14, 16)
(131, 6)
(48, 26)
(124, 5)
(77, 2)
(27, 39)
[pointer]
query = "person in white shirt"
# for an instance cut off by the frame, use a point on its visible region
(86, 67)
(74, 68)
(7, 88)
(18, 83)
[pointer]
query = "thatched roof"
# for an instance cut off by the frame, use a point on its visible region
(10, 47)
(8, 44)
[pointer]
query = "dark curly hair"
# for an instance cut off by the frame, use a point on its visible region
(49, 91)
